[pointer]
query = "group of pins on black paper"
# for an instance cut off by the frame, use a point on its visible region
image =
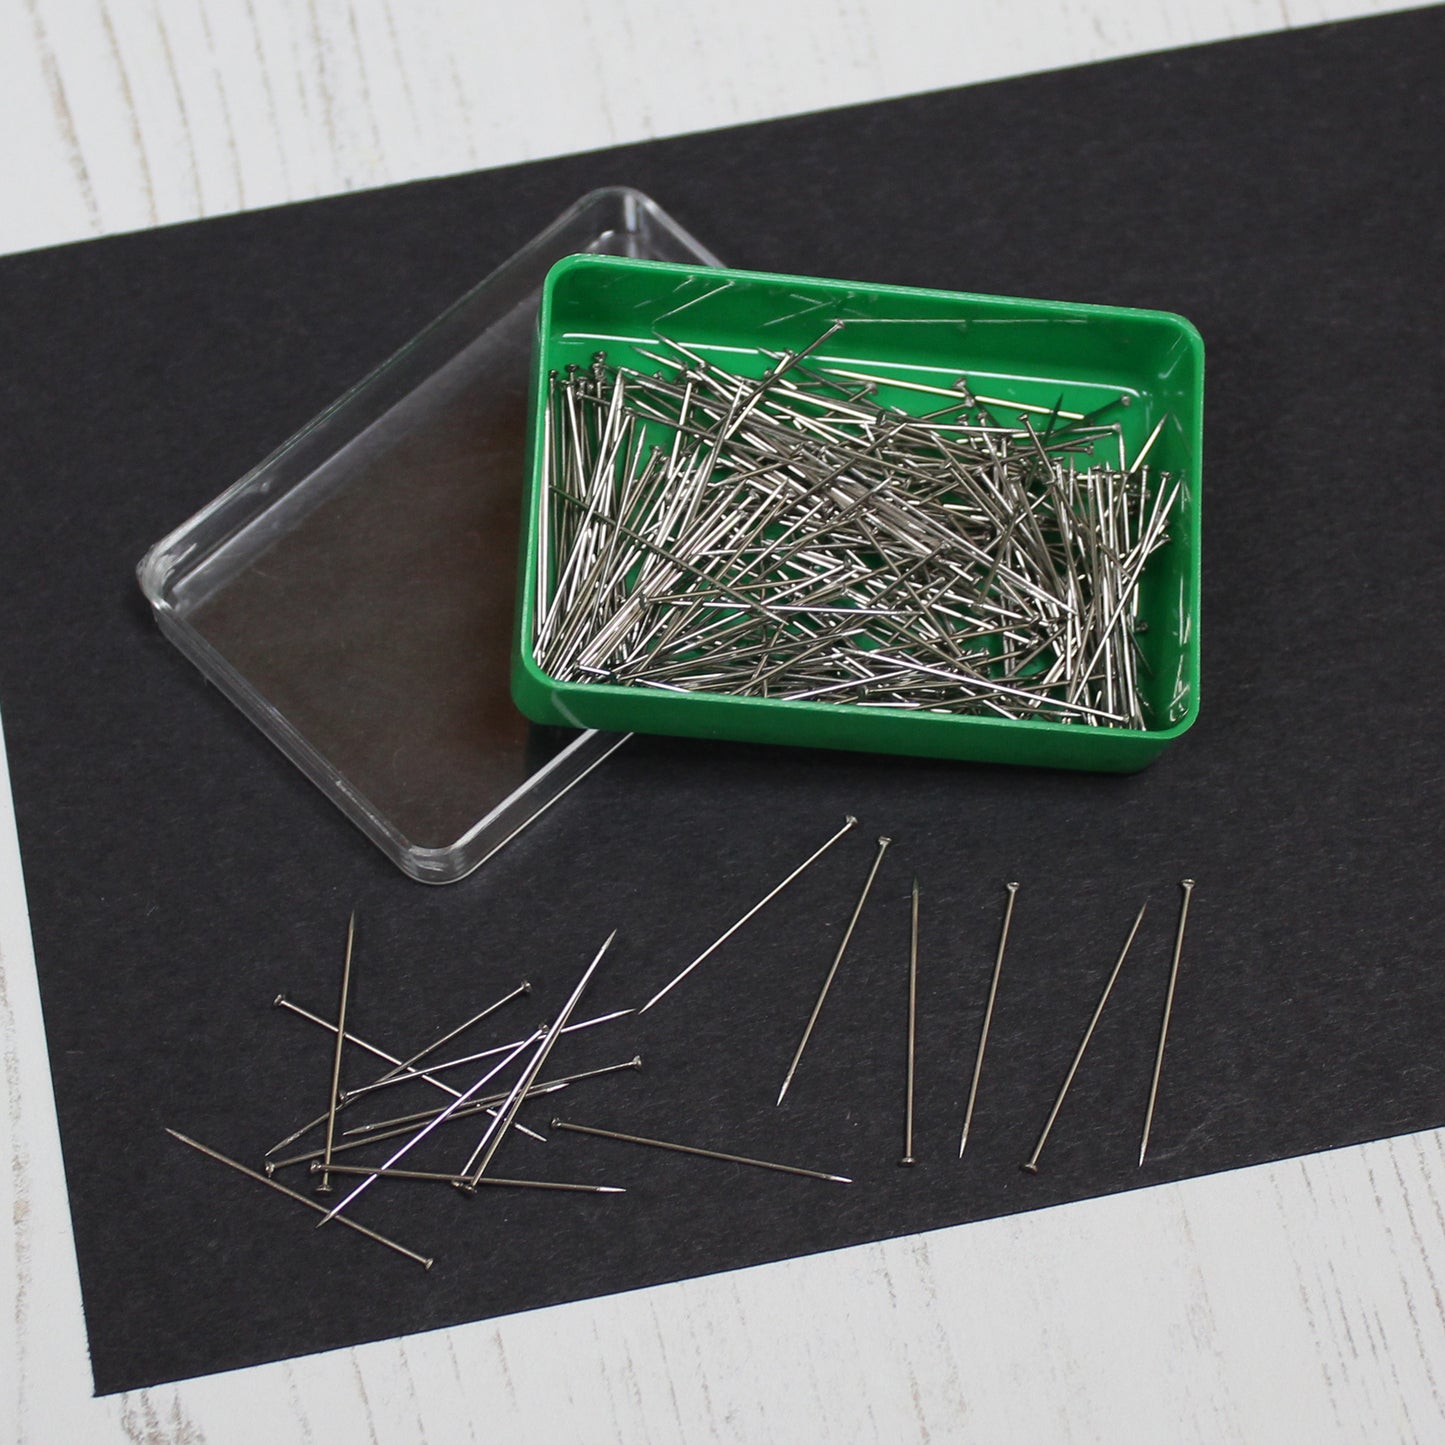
(789, 537)
(498, 1111)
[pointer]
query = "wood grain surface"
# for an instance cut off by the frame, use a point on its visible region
(1299, 1301)
(121, 114)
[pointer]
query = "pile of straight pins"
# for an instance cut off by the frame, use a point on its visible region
(496, 1112)
(788, 537)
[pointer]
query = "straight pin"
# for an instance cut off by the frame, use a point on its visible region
(1149, 444)
(1031, 1165)
(491, 1140)
(462, 1179)
(912, 1027)
(409, 1123)
(551, 1086)
(1008, 914)
(404, 1067)
(426, 1077)
(465, 1059)
(426, 1129)
(849, 822)
(701, 1153)
(215, 1154)
(1187, 885)
(325, 1186)
(828, 981)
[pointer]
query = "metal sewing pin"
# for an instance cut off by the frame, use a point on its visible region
(425, 1076)
(421, 1134)
(1149, 444)
(215, 1154)
(1031, 1165)
(325, 1186)
(435, 1178)
(551, 1086)
(1187, 884)
(432, 1070)
(405, 1067)
(487, 1105)
(1008, 914)
(701, 1153)
(838, 958)
(491, 1140)
(849, 822)
(912, 1031)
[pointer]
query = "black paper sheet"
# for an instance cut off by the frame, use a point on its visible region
(1285, 194)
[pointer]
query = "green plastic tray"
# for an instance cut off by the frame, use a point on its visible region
(1024, 351)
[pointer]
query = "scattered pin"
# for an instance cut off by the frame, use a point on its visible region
(551, 1086)
(1187, 885)
(491, 1140)
(701, 1153)
(281, 1001)
(828, 981)
(462, 1179)
(465, 1059)
(1008, 914)
(912, 1031)
(404, 1067)
(849, 822)
(489, 1105)
(426, 1129)
(425, 1077)
(215, 1154)
(1031, 1166)
(325, 1186)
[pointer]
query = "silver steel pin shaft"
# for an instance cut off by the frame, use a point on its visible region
(1008, 914)
(1031, 1165)
(426, 1129)
(324, 1187)
(662, 993)
(701, 1153)
(828, 981)
(1187, 885)
(491, 1140)
(912, 1032)
(220, 1158)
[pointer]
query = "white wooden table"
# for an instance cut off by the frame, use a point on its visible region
(1301, 1301)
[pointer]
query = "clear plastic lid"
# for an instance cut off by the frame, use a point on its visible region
(354, 594)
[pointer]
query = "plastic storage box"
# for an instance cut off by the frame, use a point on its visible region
(1025, 351)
